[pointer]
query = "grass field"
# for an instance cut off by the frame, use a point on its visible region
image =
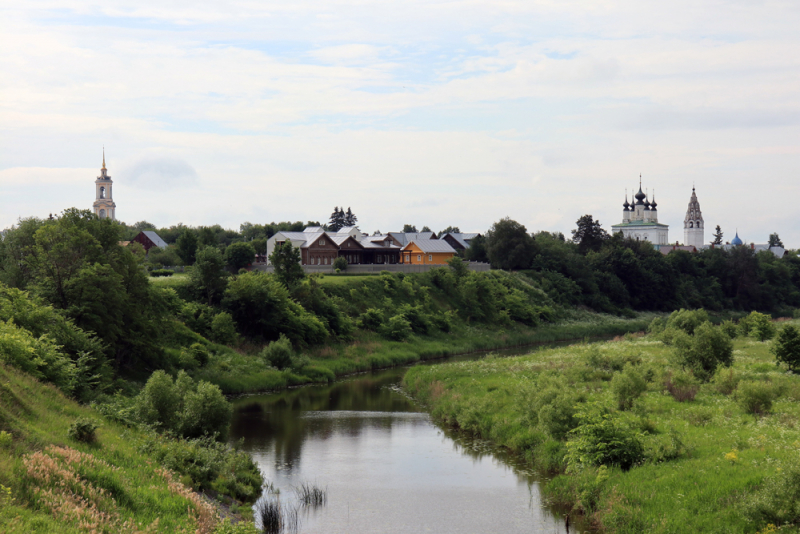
(709, 465)
(177, 279)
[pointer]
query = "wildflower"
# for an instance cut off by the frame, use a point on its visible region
(732, 456)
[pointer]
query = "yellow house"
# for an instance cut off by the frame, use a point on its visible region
(427, 252)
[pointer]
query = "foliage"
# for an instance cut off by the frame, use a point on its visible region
(242, 527)
(717, 236)
(397, 328)
(239, 255)
(278, 353)
(186, 246)
(729, 328)
(687, 320)
(410, 229)
(509, 246)
(340, 263)
(155, 273)
(755, 397)
(286, 261)
(703, 352)
(683, 386)
(758, 325)
(602, 438)
(182, 406)
(628, 386)
(371, 319)
(208, 276)
(39, 357)
(775, 240)
(223, 328)
(459, 268)
(477, 250)
(786, 347)
(83, 429)
(337, 219)
(777, 500)
(589, 234)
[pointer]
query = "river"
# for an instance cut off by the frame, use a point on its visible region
(386, 466)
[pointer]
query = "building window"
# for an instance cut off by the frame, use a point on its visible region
(419, 257)
(430, 257)
(322, 242)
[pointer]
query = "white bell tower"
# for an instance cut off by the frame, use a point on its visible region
(693, 226)
(104, 202)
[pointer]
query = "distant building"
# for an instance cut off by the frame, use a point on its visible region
(104, 206)
(459, 241)
(427, 252)
(149, 239)
(693, 225)
(640, 220)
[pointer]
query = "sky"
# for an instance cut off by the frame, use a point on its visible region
(437, 113)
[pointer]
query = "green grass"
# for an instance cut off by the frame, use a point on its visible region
(177, 279)
(701, 490)
(39, 458)
(344, 278)
(244, 371)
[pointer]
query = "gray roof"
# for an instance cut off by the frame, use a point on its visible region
(429, 246)
(406, 238)
(341, 238)
(312, 229)
(152, 236)
(378, 241)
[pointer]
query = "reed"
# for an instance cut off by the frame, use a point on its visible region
(311, 495)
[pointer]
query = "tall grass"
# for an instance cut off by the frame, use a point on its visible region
(274, 517)
(311, 495)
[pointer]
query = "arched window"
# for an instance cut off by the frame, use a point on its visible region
(102, 192)
(691, 224)
(698, 224)
(102, 214)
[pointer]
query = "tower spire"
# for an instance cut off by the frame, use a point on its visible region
(104, 157)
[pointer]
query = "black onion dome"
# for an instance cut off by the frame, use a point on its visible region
(640, 196)
(653, 204)
(626, 205)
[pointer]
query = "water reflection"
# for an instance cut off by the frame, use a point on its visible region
(386, 467)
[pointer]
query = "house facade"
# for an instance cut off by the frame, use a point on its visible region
(427, 252)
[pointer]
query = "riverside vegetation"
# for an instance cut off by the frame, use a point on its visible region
(691, 428)
(148, 359)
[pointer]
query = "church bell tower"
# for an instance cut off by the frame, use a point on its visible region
(104, 202)
(693, 224)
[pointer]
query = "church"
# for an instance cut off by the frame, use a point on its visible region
(104, 202)
(640, 220)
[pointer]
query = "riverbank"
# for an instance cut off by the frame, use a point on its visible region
(706, 464)
(244, 371)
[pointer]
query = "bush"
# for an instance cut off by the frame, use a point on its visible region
(83, 430)
(397, 328)
(37, 356)
(725, 381)
(155, 273)
(777, 501)
(729, 328)
(5, 439)
(787, 348)
(682, 386)
(703, 352)
(340, 264)
(223, 329)
(372, 319)
(602, 438)
(628, 386)
(656, 326)
(556, 412)
(687, 320)
(278, 353)
(239, 255)
(756, 397)
(416, 317)
(760, 326)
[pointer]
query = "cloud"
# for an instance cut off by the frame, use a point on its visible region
(158, 173)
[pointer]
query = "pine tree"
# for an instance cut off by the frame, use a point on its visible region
(337, 219)
(350, 218)
(717, 236)
(775, 241)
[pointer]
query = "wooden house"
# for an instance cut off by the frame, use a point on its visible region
(427, 252)
(149, 239)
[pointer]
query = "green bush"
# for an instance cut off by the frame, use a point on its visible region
(416, 317)
(703, 352)
(155, 273)
(656, 326)
(602, 438)
(39, 357)
(682, 386)
(787, 347)
(223, 329)
(278, 353)
(760, 326)
(555, 411)
(628, 386)
(5, 438)
(687, 320)
(725, 381)
(397, 328)
(239, 255)
(340, 264)
(729, 327)
(776, 501)
(83, 430)
(756, 397)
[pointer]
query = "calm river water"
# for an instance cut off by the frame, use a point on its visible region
(387, 468)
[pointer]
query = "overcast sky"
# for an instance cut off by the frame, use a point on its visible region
(426, 112)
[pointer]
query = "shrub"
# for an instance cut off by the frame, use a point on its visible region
(223, 329)
(397, 328)
(682, 386)
(83, 430)
(787, 347)
(628, 386)
(725, 381)
(602, 438)
(656, 326)
(777, 501)
(443, 320)
(706, 350)
(760, 326)
(37, 356)
(372, 319)
(687, 320)
(340, 264)
(756, 397)
(5, 438)
(239, 255)
(155, 273)
(278, 353)
(729, 328)
(557, 412)
(416, 317)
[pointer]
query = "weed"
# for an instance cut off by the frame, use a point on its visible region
(682, 386)
(83, 430)
(311, 495)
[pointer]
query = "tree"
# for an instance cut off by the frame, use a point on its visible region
(450, 230)
(509, 245)
(207, 236)
(187, 247)
(350, 218)
(589, 235)
(426, 229)
(706, 350)
(286, 261)
(717, 236)
(477, 250)
(240, 254)
(775, 241)
(337, 219)
(409, 229)
(208, 276)
(787, 347)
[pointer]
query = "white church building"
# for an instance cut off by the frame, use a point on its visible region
(640, 220)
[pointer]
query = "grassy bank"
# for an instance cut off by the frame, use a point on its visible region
(708, 464)
(51, 482)
(244, 371)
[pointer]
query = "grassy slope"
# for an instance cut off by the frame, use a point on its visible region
(38, 416)
(699, 492)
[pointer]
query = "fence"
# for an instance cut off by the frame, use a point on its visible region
(374, 269)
